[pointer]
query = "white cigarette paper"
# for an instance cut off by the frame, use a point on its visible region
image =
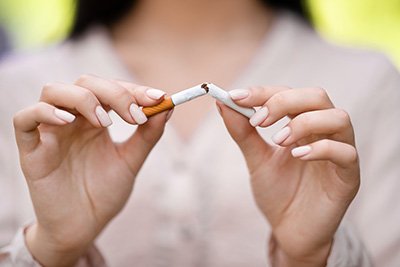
(225, 98)
(188, 94)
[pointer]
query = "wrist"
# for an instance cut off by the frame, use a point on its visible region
(47, 252)
(315, 258)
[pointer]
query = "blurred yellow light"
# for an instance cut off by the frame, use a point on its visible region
(369, 23)
(34, 22)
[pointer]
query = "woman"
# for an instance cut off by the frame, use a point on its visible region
(192, 204)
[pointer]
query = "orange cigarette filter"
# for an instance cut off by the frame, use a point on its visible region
(176, 99)
(166, 104)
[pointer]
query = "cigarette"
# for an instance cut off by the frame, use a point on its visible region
(225, 98)
(176, 99)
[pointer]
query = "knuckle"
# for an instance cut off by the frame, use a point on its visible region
(85, 96)
(39, 108)
(17, 118)
(343, 116)
(353, 155)
(48, 88)
(130, 87)
(138, 90)
(304, 125)
(119, 92)
(256, 89)
(325, 146)
(321, 93)
(84, 78)
(277, 100)
(305, 120)
(256, 93)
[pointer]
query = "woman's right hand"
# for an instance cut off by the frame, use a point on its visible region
(78, 178)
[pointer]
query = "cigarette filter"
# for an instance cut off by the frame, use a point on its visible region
(225, 98)
(176, 99)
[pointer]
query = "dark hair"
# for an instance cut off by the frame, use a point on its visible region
(107, 12)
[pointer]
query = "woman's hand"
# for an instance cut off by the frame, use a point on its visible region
(78, 178)
(304, 185)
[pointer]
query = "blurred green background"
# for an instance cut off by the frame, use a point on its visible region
(367, 23)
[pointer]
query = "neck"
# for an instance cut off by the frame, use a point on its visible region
(192, 20)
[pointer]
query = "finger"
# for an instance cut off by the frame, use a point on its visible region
(255, 96)
(73, 97)
(332, 122)
(144, 95)
(138, 146)
(120, 99)
(341, 154)
(248, 139)
(291, 103)
(27, 121)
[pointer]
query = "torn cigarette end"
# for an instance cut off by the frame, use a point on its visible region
(205, 87)
(224, 97)
(166, 104)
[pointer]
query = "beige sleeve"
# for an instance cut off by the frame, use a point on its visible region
(17, 254)
(347, 250)
(375, 213)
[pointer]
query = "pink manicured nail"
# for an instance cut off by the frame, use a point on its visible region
(238, 94)
(155, 93)
(301, 151)
(281, 136)
(259, 116)
(103, 117)
(137, 114)
(64, 115)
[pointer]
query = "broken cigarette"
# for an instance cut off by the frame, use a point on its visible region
(225, 98)
(194, 92)
(176, 99)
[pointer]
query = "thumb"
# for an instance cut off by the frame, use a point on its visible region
(136, 149)
(252, 145)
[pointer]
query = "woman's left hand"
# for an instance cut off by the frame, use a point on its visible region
(305, 183)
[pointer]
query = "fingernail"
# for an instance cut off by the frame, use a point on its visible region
(64, 115)
(103, 117)
(137, 114)
(301, 151)
(281, 136)
(259, 116)
(169, 115)
(238, 94)
(155, 93)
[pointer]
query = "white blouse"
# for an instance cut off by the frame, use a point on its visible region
(192, 204)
